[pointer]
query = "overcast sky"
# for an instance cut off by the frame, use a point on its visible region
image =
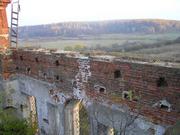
(51, 11)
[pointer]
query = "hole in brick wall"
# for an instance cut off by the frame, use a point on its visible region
(117, 74)
(57, 63)
(164, 107)
(17, 68)
(127, 95)
(57, 77)
(161, 82)
(36, 59)
(28, 70)
(21, 58)
(164, 104)
(45, 75)
(102, 90)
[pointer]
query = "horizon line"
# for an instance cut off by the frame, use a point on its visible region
(105, 20)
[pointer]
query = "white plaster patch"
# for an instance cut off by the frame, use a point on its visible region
(163, 103)
(81, 79)
(104, 57)
(78, 93)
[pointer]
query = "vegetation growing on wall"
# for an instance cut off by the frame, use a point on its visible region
(11, 124)
(84, 121)
(78, 47)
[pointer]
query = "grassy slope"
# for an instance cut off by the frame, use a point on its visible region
(103, 40)
(170, 52)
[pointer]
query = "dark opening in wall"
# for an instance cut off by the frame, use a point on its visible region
(21, 58)
(28, 70)
(57, 77)
(161, 82)
(102, 90)
(21, 107)
(46, 120)
(164, 107)
(57, 63)
(17, 68)
(126, 96)
(45, 75)
(163, 104)
(117, 74)
(36, 59)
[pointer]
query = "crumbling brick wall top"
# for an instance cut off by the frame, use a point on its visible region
(105, 58)
(156, 86)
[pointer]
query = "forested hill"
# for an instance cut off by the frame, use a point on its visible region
(78, 29)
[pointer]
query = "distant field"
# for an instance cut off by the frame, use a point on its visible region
(100, 40)
(133, 44)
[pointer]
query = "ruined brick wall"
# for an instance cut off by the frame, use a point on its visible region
(148, 84)
(155, 88)
(51, 67)
(3, 24)
(6, 64)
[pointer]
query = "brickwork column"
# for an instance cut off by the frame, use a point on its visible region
(4, 31)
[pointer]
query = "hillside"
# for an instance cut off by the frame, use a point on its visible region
(80, 29)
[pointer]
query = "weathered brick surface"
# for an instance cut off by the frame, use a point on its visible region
(142, 80)
(6, 65)
(139, 78)
(4, 42)
(43, 66)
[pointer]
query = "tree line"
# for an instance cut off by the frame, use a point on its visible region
(79, 29)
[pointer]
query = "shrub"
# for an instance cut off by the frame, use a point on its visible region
(11, 124)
